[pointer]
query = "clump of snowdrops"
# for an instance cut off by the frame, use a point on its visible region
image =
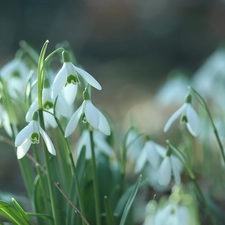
(73, 167)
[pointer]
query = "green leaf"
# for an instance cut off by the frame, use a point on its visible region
(109, 213)
(21, 211)
(130, 201)
(11, 214)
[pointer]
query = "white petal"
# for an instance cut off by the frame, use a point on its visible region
(174, 117)
(62, 107)
(165, 172)
(91, 114)
(91, 80)
(33, 108)
(101, 143)
(84, 141)
(24, 134)
(152, 156)
(47, 141)
(49, 119)
(103, 125)
(23, 149)
(72, 124)
(176, 168)
(70, 93)
(193, 123)
(141, 161)
(59, 81)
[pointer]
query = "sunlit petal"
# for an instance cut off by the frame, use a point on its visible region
(174, 117)
(91, 80)
(47, 141)
(33, 108)
(23, 149)
(24, 134)
(103, 125)
(59, 81)
(72, 124)
(70, 93)
(165, 172)
(91, 114)
(193, 123)
(141, 161)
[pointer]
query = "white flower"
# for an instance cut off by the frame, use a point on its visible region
(134, 143)
(31, 135)
(47, 102)
(90, 114)
(14, 74)
(170, 165)
(101, 145)
(149, 153)
(67, 80)
(173, 214)
(188, 116)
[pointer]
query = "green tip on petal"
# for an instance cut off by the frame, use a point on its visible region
(86, 95)
(169, 151)
(65, 56)
(188, 98)
(35, 116)
(46, 83)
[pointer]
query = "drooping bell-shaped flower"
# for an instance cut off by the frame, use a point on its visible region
(88, 113)
(67, 80)
(170, 165)
(188, 116)
(15, 74)
(149, 154)
(31, 135)
(47, 103)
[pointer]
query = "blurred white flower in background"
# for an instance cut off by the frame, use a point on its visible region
(188, 116)
(101, 145)
(15, 74)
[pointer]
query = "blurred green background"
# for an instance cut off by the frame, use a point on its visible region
(130, 46)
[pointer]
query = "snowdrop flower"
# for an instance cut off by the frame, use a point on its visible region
(89, 113)
(133, 143)
(67, 80)
(188, 116)
(31, 135)
(101, 145)
(173, 214)
(48, 104)
(150, 154)
(174, 90)
(170, 165)
(14, 74)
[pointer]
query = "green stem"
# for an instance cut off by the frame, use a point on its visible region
(202, 102)
(49, 176)
(181, 157)
(204, 201)
(95, 179)
(73, 167)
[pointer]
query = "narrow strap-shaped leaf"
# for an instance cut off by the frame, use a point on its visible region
(130, 201)
(109, 213)
(11, 214)
(21, 211)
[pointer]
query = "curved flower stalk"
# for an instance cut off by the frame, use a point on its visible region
(149, 154)
(188, 116)
(89, 113)
(67, 80)
(101, 145)
(14, 74)
(31, 135)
